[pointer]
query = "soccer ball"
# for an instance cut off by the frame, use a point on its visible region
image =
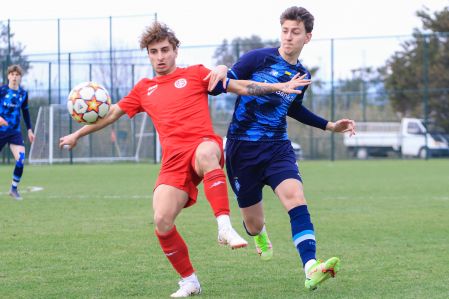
(88, 102)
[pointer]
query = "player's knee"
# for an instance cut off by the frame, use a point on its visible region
(21, 160)
(207, 158)
(253, 226)
(293, 195)
(163, 222)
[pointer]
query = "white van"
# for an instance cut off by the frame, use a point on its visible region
(408, 138)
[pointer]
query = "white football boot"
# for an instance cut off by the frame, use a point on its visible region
(187, 288)
(228, 236)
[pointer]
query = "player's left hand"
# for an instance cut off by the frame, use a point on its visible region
(31, 136)
(295, 82)
(343, 126)
(218, 74)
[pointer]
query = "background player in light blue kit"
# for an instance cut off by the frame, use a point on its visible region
(13, 99)
(259, 153)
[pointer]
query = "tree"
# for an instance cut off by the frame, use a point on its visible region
(419, 71)
(228, 53)
(14, 55)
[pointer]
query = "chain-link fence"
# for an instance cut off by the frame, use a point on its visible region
(348, 75)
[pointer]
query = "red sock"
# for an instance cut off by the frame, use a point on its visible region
(176, 251)
(216, 190)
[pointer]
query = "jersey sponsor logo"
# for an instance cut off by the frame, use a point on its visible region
(288, 97)
(10, 105)
(151, 89)
(180, 83)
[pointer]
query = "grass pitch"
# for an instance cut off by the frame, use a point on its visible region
(89, 234)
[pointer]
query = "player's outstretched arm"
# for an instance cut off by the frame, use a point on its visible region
(70, 140)
(342, 126)
(246, 87)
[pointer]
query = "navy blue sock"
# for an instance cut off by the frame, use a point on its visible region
(302, 233)
(18, 171)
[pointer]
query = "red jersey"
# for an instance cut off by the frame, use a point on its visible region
(177, 104)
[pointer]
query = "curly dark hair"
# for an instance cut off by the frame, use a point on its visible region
(157, 32)
(299, 14)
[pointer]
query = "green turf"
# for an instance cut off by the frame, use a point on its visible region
(89, 234)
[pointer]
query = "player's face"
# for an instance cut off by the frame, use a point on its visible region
(293, 38)
(162, 57)
(14, 79)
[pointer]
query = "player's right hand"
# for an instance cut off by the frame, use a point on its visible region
(295, 82)
(3, 122)
(219, 73)
(67, 142)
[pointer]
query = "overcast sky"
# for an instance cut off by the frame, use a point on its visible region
(208, 22)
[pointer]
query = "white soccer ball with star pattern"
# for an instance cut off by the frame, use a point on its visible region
(88, 102)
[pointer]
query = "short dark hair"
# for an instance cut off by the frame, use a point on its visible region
(158, 32)
(15, 68)
(299, 14)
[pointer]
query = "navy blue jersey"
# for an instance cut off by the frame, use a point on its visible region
(11, 103)
(263, 118)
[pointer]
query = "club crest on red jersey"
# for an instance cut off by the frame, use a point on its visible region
(180, 83)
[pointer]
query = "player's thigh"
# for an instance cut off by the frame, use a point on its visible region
(291, 193)
(207, 157)
(245, 169)
(168, 202)
(16, 150)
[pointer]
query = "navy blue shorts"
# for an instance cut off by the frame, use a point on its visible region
(253, 164)
(15, 138)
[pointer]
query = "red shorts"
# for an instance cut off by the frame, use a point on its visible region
(178, 168)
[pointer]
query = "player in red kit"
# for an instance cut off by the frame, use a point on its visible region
(176, 99)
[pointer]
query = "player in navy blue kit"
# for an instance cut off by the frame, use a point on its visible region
(259, 153)
(13, 99)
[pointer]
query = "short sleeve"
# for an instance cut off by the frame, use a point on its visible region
(246, 65)
(203, 72)
(131, 104)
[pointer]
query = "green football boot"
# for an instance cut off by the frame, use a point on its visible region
(321, 271)
(263, 246)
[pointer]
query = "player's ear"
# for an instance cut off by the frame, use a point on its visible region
(308, 37)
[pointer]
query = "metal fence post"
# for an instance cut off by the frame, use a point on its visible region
(70, 87)
(49, 83)
(426, 87)
(332, 101)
